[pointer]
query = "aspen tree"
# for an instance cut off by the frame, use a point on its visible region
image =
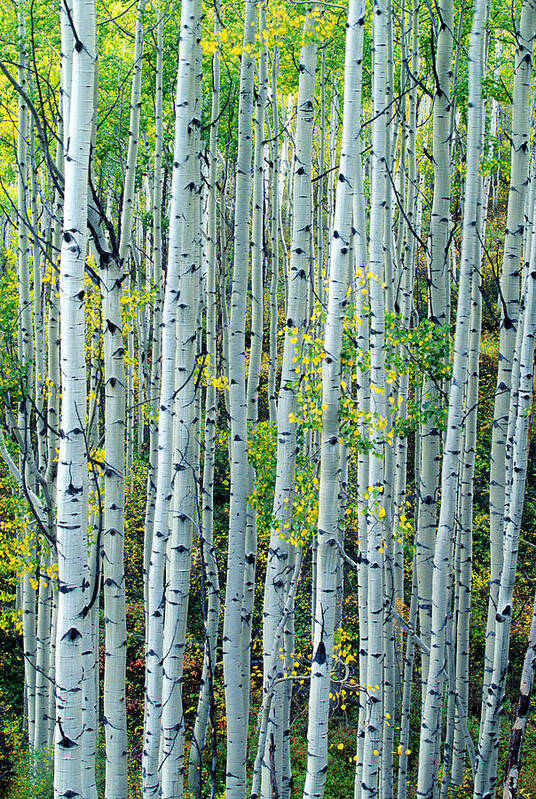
(154, 384)
(72, 465)
(332, 148)
(375, 499)
(328, 519)
(184, 258)
(268, 694)
(285, 186)
(368, 218)
(527, 243)
(464, 542)
(53, 407)
(438, 312)
(38, 313)
(129, 382)
(431, 717)
(320, 185)
(281, 553)
(409, 658)
(386, 305)
(516, 454)
(363, 393)
(405, 277)
(208, 554)
(236, 693)
(509, 304)
(26, 357)
(141, 321)
(44, 607)
(255, 353)
(113, 532)
(274, 253)
(53, 333)
(112, 276)
(185, 104)
(257, 238)
(513, 762)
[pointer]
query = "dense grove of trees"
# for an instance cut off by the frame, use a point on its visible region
(267, 331)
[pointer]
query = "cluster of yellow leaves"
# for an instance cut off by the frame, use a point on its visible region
(281, 24)
(211, 378)
(297, 524)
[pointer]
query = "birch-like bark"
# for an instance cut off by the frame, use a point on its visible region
(52, 669)
(363, 394)
(438, 312)
(332, 149)
(328, 532)
(185, 259)
(257, 239)
(141, 328)
(209, 564)
(383, 304)
(44, 607)
(513, 762)
(320, 184)
(464, 554)
(281, 553)
(375, 499)
(270, 685)
(38, 315)
(405, 713)
(53, 424)
(509, 303)
(112, 276)
(274, 231)
(404, 302)
(233, 667)
(431, 717)
(154, 384)
(255, 354)
(26, 353)
(185, 106)
(516, 469)
(72, 482)
(53, 336)
(115, 633)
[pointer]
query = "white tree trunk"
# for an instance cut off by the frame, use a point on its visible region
(509, 301)
(236, 693)
(431, 717)
(328, 533)
(281, 553)
(72, 482)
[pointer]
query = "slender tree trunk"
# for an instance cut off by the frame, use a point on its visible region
(205, 705)
(374, 504)
(513, 762)
(431, 718)
(26, 358)
(509, 301)
(328, 533)
(179, 263)
(281, 552)
(516, 469)
(184, 259)
(438, 312)
(233, 666)
(274, 261)
(154, 385)
(72, 482)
